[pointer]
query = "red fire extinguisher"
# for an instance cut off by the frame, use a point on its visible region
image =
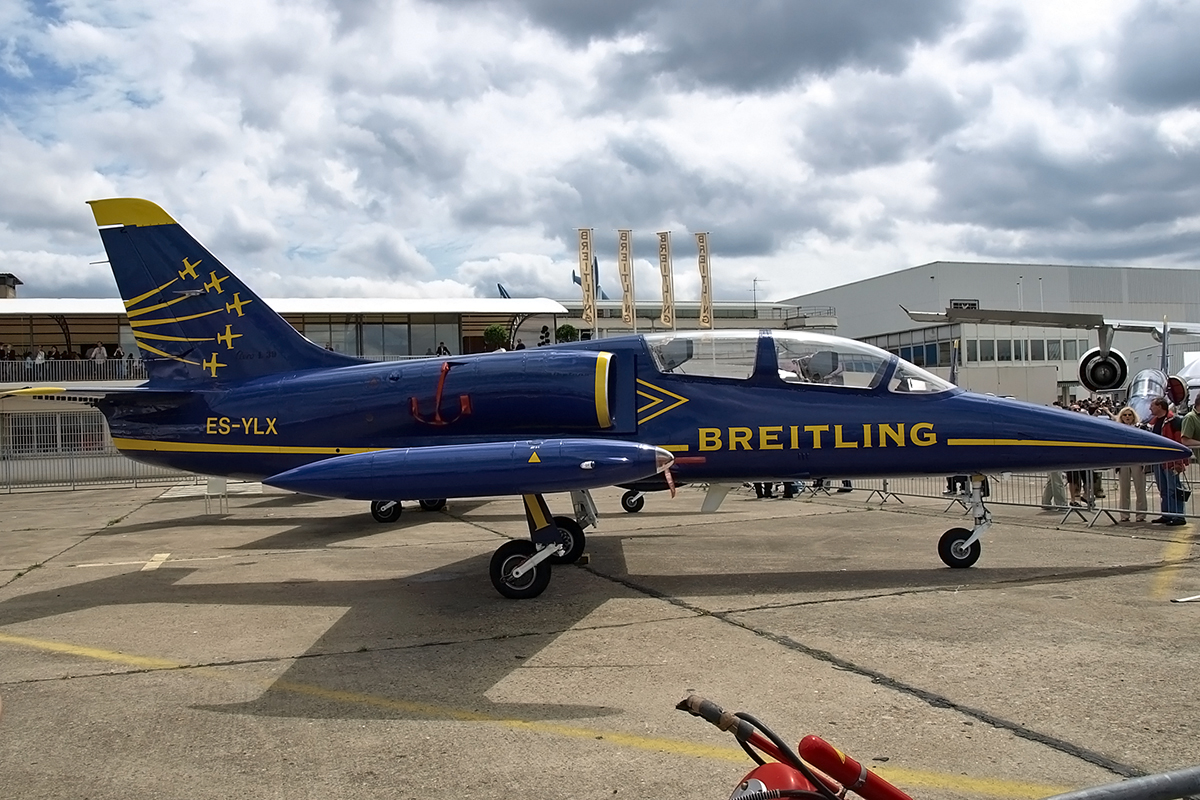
(820, 768)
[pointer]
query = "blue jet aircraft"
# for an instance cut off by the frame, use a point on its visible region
(234, 390)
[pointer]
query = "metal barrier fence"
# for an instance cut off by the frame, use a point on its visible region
(60, 371)
(50, 449)
(1099, 492)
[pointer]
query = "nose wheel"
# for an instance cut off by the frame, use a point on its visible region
(957, 550)
(385, 511)
(633, 502)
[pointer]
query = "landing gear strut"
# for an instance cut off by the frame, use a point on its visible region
(959, 547)
(521, 569)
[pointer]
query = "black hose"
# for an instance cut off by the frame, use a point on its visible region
(793, 759)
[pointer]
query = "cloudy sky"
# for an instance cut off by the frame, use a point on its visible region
(421, 148)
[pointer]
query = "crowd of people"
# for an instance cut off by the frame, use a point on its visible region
(1085, 486)
(98, 354)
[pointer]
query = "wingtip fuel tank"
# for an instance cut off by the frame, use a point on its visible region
(477, 470)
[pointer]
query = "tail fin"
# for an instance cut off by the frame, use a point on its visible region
(193, 319)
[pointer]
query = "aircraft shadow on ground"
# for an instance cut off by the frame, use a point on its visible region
(434, 644)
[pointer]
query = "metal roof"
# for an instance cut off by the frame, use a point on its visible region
(112, 306)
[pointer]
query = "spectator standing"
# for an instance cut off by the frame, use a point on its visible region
(1166, 475)
(1135, 474)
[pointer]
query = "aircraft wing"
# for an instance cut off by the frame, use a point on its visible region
(89, 394)
(1050, 319)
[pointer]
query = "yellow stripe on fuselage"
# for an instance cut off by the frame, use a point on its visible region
(602, 414)
(204, 447)
(1048, 443)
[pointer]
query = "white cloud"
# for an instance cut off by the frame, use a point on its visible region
(416, 148)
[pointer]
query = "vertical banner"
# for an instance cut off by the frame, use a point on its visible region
(706, 311)
(625, 268)
(668, 291)
(587, 277)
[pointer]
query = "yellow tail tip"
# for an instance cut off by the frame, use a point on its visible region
(128, 211)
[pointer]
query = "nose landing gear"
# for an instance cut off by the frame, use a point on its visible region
(959, 547)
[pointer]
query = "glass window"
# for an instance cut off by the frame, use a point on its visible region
(716, 355)
(987, 350)
(931, 354)
(1003, 350)
(906, 353)
(972, 350)
(372, 340)
(1037, 350)
(817, 359)
(1018, 349)
(1070, 351)
(318, 333)
(944, 353)
(395, 339)
(909, 379)
(1053, 350)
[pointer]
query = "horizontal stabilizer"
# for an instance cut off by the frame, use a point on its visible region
(476, 470)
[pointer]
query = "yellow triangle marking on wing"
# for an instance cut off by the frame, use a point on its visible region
(533, 459)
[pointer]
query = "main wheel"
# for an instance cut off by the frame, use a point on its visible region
(573, 538)
(953, 550)
(433, 505)
(508, 557)
(632, 501)
(385, 510)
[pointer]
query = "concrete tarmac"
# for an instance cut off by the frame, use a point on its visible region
(294, 648)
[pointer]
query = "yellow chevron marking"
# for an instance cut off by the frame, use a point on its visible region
(679, 400)
(150, 293)
(146, 323)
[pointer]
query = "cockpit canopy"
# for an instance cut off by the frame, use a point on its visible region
(801, 358)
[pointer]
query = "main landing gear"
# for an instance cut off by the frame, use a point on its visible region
(960, 547)
(521, 569)
(388, 511)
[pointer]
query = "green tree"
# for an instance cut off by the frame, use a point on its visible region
(566, 333)
(495, 337)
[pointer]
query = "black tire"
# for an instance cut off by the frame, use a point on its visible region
(633, 502)
(950, 548)
(433, 505)
(573, 538)
(508, 557)
(385, 511)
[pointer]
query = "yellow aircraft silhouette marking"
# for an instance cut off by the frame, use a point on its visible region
(228, 336)
(213, 364)
(215, 282)
(237, 304)
(189, 270)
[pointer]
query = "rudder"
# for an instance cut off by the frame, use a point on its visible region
(194, 320)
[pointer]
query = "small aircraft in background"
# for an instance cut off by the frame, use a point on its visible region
(234, 390)
(1103, 368)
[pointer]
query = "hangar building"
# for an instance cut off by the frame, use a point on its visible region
(1029, 362)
